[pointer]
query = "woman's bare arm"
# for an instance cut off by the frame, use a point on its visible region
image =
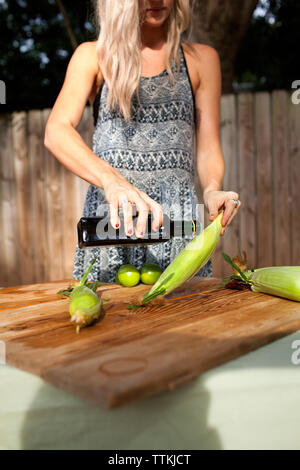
(63, 140)
(210, 160)
(61, 136)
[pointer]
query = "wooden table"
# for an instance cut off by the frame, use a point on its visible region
(131, 354)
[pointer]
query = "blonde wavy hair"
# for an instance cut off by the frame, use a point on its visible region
(119, 52)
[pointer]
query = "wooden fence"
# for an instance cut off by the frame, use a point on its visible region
(41, 201)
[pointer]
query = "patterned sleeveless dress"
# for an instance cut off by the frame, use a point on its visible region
(154, 152)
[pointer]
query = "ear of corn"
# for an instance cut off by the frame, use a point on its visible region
(282, 281)
(188, 261)
(85, 303)
(85, 306)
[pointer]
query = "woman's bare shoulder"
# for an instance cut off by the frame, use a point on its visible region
(201, 51)
(86, 55)
(205, 58)
(86, 52)
(88, 46)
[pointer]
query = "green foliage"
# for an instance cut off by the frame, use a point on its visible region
(35, 49)
(268, 55)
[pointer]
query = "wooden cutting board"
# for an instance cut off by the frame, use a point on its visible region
(130, 354)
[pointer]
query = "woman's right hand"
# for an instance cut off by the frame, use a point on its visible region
(120, 193)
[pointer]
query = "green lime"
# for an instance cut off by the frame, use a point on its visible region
(150, 272)
(128, 275)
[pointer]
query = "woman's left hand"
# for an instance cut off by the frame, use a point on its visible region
(222, 200)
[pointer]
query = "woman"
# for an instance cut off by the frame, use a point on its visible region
(151, 91)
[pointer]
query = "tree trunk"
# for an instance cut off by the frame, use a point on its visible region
(68, 26)
(222, 24)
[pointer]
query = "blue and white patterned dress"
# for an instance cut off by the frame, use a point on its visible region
(154, 152)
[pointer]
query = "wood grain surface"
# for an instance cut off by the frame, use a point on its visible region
(131, 354)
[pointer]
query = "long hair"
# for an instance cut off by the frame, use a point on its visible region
(119, 47)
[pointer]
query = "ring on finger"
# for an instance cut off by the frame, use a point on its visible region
(236, 202)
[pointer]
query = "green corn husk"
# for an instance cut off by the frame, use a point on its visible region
(85, 306)
(281, 281)
(188, 261)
